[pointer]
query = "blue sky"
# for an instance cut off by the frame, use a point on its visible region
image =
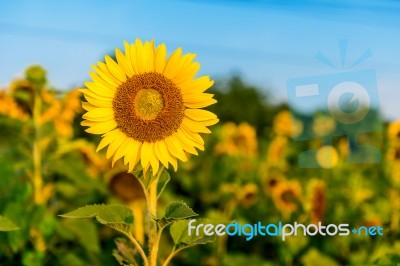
(268, 42)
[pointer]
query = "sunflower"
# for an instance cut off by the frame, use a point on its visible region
(318, 201)
(286, 196)
(394, 131)
(286, 125)
(147, 107)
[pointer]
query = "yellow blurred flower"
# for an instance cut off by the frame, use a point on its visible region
(247, 195)
(286, 196)
(317, 201)
(61, 111)
(22, 91)
(323, 125)
(271, 180)
(393, 155)
(327, 156)
(127, 188)
(10, 108)
(238, 140)
(276, 152)
(95, 163)
(394, 131)
(286, 125)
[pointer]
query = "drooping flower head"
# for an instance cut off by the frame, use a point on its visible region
(147, 107)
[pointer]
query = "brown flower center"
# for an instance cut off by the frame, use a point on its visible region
(148, 107)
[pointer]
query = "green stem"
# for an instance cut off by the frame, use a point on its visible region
(154, 232)
(139, 248)
(169, 258)
(37, 157)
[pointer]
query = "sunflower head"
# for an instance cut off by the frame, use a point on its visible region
(286, 196)
(394, 131)
(147, 107)
(286, 125)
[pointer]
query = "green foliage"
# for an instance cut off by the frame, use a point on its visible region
(116, 216)
(7, 225)
(162, 182)
(178, 211)
(181, 238)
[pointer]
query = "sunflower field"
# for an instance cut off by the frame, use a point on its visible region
(246, 172)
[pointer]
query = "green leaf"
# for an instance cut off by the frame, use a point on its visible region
(83, 232)
(124, 253)
(162, 182)
(180, 235)
(116, 216)
(7, 225)
(178, 211)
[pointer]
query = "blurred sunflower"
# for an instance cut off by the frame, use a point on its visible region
(286, 196)
(271, 180)
(127, 187)
(393, 155)
(147, 107)
(394, 131)
(10, 108)
(317, 201)
(237, 140)
(276, 152)
(247, 195)
(286, 125)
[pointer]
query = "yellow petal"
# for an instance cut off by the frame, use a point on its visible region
(160, 58)
(115, 69)
(154, 162)
(98, 113)
(161, 151)
(100, 90)
(134, 154)
(148, 56)
(194, 126)
(124, 63)
(175, 148)
(105, 74)
(134, 59)
(187, 73)
(115, 144)
(102, 127)
(121, 151)
(200, 104)
(146, 153)
(199, 114)
(107, 138)
(139, 57)
(198, 85)
(171, 68)
(193, 136)
(174, 162)
(210, 122)
(185, 143)
(101, 82)
(87, 106)
(99, 102)
(188, 139)
(128, 56)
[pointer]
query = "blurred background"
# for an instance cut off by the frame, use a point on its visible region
(249, 171)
